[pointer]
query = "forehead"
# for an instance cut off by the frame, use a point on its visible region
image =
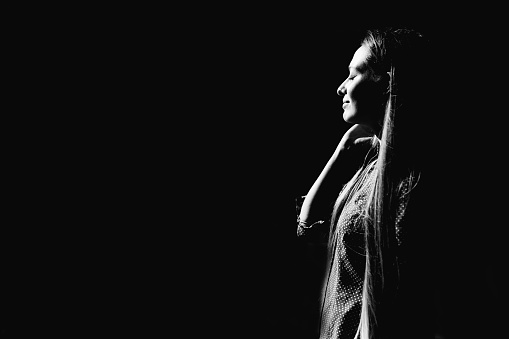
(359, 59)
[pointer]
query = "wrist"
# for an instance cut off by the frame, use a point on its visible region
(304, 225)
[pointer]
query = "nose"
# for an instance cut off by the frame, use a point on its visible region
(341, 89)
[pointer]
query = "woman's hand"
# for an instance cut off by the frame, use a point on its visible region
(355, 135)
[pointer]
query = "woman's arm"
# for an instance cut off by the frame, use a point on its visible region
(347, 158)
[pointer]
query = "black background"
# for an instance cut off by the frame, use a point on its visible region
(157, 192)
(293, 132)
(291, 122)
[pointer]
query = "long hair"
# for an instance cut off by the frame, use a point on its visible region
(403, 56)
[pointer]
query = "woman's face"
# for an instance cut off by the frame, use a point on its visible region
(363, 93)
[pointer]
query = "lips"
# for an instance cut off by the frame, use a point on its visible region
(345, 104)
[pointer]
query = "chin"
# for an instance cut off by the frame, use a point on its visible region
(348, 117)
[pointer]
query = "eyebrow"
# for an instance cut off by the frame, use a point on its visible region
(358, 68)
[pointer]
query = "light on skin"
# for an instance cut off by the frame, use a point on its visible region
(363, 94)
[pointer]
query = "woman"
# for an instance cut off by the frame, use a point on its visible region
(376, 283)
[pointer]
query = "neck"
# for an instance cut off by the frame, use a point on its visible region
(375, 130)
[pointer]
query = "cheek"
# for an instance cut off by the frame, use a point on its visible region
(367, 103)
(367, 95)
(364, 91)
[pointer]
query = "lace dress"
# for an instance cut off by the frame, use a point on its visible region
(342, 293)
(341, 304)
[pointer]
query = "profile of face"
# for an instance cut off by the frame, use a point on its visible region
(363, 92)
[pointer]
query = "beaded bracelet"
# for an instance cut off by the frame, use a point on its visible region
(302, 225)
